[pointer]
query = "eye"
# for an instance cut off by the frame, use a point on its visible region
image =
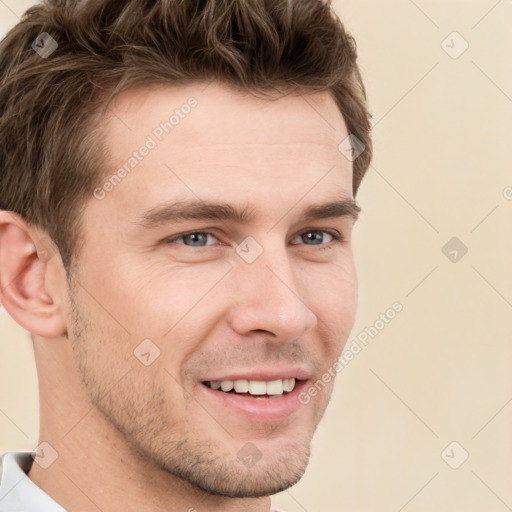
(317, 237)
(311, 237)
(196, 239)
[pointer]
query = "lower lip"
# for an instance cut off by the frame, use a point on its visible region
(264, 410)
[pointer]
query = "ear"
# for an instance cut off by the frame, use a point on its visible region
(32, 278)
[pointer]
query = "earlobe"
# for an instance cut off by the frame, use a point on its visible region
(29, 277)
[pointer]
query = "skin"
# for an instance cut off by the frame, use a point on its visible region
(123, 431)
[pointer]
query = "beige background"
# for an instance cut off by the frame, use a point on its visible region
(440, 371)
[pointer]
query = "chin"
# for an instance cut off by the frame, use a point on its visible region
(236, 480)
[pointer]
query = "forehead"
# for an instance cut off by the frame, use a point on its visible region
(210, 141)
(224, 115)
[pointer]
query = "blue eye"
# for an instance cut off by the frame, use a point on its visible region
(200, 238)
(317, 237)
(197, 238)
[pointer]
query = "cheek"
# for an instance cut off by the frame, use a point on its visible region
(178, 310)
(336, 298)
(335, 308)
(157, 298)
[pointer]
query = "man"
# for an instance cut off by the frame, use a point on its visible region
(177, 190)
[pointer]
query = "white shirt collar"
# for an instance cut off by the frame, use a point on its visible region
(17, 492)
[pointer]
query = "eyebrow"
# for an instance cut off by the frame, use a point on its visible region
(169, 212)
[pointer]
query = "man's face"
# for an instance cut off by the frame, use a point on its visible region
(269, 299)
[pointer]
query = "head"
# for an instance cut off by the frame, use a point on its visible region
(178, 203)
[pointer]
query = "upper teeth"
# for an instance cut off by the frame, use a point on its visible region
(255, 387)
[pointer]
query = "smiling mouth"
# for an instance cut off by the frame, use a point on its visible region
(255, 388)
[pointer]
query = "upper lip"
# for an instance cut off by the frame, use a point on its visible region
(269, 374)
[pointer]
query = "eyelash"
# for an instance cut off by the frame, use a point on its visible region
(337, 237)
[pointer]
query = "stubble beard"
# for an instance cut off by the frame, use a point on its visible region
(174, 445)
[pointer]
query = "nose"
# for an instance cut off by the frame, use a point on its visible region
(266, 298)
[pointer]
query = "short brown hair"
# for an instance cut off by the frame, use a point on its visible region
(50, 104)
